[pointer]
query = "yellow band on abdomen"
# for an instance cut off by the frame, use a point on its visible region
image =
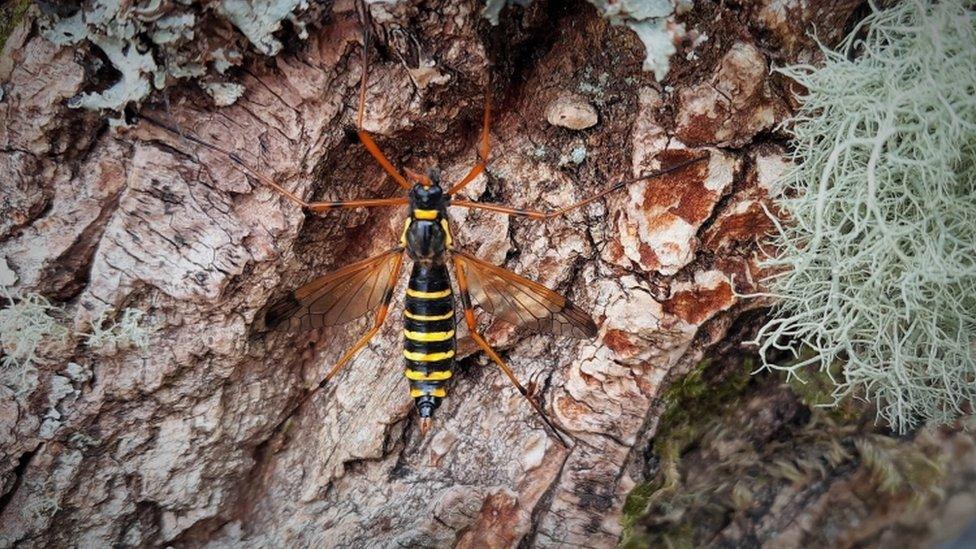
(427, 357)
(428, 318)
(414, 375)
(438, 392)
(429, 336)
(428, 295)
(425, 214)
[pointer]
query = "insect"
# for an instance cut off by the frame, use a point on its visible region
(429, 315)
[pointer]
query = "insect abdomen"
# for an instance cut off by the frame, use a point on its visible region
(428, 335)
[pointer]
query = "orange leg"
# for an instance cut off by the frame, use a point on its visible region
(484, 147)
(380, 317)
(363, 341)
(364, 203)
(364, 137)
(541, 215)
(480, 341)
(242, 166)
(317, 207)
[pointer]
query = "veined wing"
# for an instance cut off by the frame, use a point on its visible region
(340, 296)
(520, 301)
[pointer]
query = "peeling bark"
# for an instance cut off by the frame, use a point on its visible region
(197, 441)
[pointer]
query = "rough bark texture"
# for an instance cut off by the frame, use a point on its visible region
(197, 440)
(742, 460)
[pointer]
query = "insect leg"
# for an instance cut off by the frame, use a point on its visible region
(365, 203)
(380, 317)
(381, 313)
(363, 341)
(542, 215)
(484, 147)
(244, 167)
(364, 137)
(480, 341)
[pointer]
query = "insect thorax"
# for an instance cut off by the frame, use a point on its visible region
(426, 234)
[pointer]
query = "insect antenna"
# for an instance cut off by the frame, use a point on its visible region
(244, 167)
(540, 215)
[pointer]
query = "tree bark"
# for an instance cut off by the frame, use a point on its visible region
(198, 439)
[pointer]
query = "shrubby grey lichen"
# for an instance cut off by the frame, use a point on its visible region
(130, 330)
(876, 261)
(26, 324)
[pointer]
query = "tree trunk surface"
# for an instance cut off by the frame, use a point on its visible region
(204, 438)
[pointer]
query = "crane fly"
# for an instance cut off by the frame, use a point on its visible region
(366, 287)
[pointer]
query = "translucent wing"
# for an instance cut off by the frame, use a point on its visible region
(509, 297)
(340, 296)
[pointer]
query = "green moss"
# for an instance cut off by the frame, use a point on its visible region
(692, 401)
(817, 388)
(636, 502)
(692, 406)
(10, 16)
(899, 467)
(718, 464)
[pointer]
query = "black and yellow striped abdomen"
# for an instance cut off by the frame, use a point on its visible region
(428, 335)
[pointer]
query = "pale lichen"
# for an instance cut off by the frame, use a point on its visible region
(223, 93)
(652, 20)
(151, 45)
(44, 502)
(26, 324)
(654, 23)
(130, 330)
(135, 68)
(876, 250)
(260, 19)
